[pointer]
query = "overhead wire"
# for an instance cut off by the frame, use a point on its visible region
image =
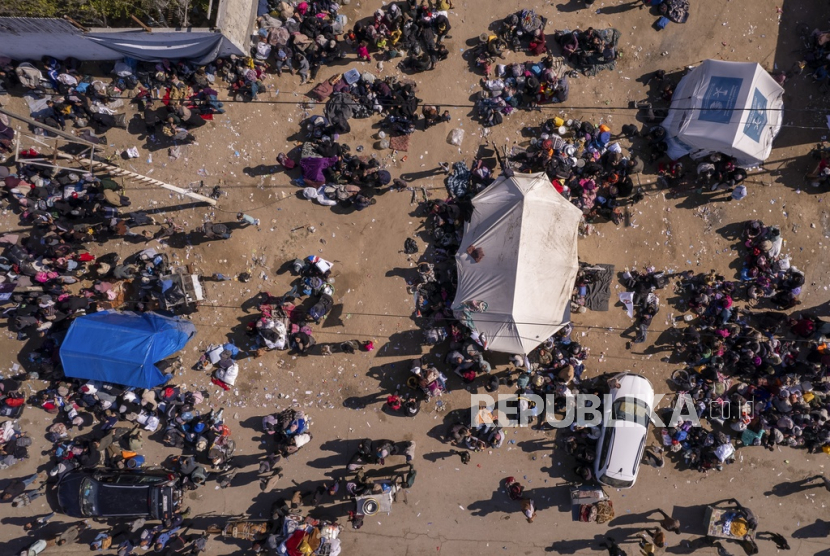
(558, 106)
(587, 327)
(311, 103)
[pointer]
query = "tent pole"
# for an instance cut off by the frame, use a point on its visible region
(50, 129)
(120, 172)
(91, 163)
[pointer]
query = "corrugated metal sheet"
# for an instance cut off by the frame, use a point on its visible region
(30, 25)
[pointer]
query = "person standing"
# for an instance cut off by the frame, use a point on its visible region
(70, 536)
(528, 509)
(668, 523)
(101, 542)
(267, 484)
(38, 523)
(652, 541)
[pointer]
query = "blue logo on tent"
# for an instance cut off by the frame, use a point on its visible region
(757, 120)
(720, 99)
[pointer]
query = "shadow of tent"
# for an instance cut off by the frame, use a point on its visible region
(798, 89)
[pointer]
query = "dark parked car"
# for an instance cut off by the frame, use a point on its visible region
(117, 494)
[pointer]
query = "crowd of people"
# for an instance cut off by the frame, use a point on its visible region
(520, 85)
(582, 161)
(755, 376)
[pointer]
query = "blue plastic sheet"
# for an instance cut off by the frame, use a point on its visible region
(123, 347)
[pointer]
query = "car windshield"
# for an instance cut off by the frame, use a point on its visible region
(616, 483)
(631, 409)
(88, 495)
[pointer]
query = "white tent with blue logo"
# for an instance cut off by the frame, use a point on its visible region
(734, 108)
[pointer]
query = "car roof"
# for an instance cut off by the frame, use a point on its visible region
(624, 453)
(635, 386)
(114, 500)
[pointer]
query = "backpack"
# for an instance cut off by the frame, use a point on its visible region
(515, 491)
(587, 128)
(312, 285)
(433, 336)
(409, 246)
(321, 308)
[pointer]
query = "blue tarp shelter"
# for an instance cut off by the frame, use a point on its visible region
(123, 347)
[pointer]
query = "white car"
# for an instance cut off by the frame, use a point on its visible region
(625, 424)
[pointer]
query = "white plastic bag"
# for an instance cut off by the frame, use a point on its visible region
(456, 137)
(627, 299)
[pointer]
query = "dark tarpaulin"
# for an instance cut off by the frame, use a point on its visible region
(199, 48)
(598, 292)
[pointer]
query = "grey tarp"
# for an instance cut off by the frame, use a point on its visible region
(518, 294)
(599, 291)
(199, 48)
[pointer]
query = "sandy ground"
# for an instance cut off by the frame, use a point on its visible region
(456, 509)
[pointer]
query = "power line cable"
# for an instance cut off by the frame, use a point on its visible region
(574, 325)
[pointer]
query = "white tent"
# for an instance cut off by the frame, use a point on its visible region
(518, 294)
(730, 107)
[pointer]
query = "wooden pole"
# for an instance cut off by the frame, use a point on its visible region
(50, 129)
(120, 172)
(76, 24)
(141, 23)
(93, 164)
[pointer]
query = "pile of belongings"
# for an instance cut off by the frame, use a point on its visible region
(352, 95)
(14, 444)
(521, 85)
(675, 10)
(308, 537)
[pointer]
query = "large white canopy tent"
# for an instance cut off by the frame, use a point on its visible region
(518, 294)
(734, 108)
